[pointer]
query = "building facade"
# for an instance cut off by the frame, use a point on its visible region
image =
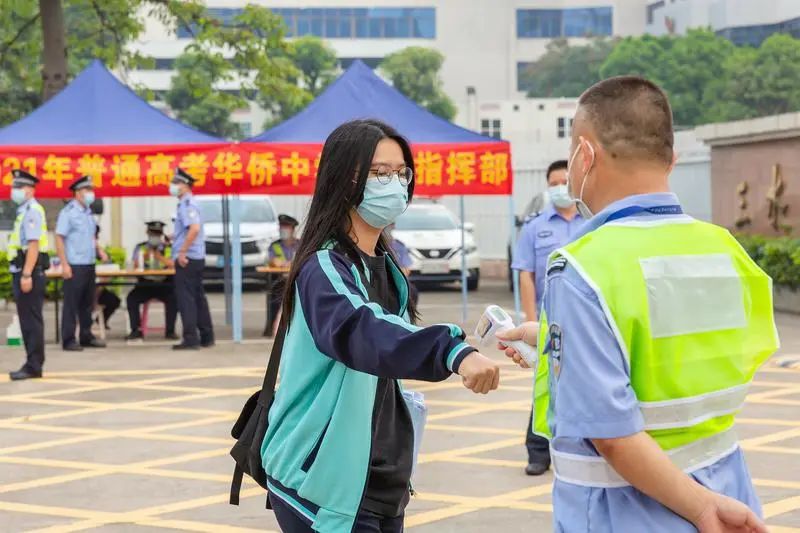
(486, 43)
(744, 22)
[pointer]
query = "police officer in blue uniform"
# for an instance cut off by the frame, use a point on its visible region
(27, 250)
(188, 255)
(152, 255)
(555, 226)
(77, 249)
(281, 253)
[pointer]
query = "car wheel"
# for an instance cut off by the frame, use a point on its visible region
(473, 280)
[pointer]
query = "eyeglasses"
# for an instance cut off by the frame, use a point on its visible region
(385, 175)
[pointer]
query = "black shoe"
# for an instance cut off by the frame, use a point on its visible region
(537, 469)
(94, 343)
(208, 344)
(184, 346)
(23, 373)
(135, 335)
(73, 347)
(171, 336)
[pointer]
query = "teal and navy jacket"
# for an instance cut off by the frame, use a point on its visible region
(318, 445)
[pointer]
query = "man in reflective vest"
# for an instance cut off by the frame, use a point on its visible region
(653, 326)
(28, 259)
(281, 253)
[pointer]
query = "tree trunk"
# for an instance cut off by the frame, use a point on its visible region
(54, 72)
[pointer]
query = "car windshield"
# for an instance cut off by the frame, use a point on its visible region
(416, 219)
(252, 210)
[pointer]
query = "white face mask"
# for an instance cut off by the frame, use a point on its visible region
(285, 234)
(559, 195)
(583, 209)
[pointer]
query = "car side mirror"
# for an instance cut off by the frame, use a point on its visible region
(469, 227)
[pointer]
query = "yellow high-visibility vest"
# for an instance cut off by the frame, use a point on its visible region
(14, 244)
(692, 314)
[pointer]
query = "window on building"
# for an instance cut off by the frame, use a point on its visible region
(576, 22)
(524, 76)
(491, 128)
(165, 63)
(564, 127)
(345, 23)
(651, 11)
(755, 35)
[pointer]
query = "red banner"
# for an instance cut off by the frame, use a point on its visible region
(245, 168)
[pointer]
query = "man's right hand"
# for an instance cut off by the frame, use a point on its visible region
(726, 515)
(66, 270)
(479, 373)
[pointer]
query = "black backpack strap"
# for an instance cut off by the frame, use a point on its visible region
(271, 376)
(265, 399)
(236, 484)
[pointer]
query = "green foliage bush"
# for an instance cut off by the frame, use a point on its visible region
(778, 256)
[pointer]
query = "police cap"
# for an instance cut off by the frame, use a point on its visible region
(155, 226)
(84, 182)
(286, 220)
(181, 176)
(21, 178)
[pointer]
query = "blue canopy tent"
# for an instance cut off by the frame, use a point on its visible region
(98, 126)
(97, 109)
(360, 93)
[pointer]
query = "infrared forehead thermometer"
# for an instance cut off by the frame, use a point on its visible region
(495, 319)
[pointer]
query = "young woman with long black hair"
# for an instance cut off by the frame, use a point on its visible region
(339, 449)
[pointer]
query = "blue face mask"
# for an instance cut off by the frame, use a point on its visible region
(88, 198)
(382, 204)
(18, 196)
(174, 189)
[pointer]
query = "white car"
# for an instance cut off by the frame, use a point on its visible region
(432, 234)
(258, 229)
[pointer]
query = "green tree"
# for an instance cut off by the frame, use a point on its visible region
(195, 99)
(566, 70)
(259, 58)
(688, 68)
(760, 81)
(317, 63)
(414, 71)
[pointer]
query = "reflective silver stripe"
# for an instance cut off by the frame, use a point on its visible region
(596, 472)
(685, 412)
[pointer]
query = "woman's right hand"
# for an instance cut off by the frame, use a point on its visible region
(479, 373)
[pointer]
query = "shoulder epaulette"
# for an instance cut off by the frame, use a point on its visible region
(558, 265)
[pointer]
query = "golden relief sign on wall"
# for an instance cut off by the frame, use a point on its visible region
(778, 209)
(743, 220)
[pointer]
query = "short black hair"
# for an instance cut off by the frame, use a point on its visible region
(631, 117)
(555, 165)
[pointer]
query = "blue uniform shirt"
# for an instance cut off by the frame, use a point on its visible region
(188, 213)
(538, 238)
(592, 397)
(77, 226)
(30, 229)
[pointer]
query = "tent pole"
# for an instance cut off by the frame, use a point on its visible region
(226, 257)
(236, 249)
(463, 265)
(514, 273)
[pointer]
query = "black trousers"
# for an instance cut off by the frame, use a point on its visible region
(192, 303)
(291, 522)
(110, 303)
(141, 294)
(31, 321)
(79, 294)
(538, 447)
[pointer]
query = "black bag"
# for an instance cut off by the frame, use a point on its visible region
(251, 426)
